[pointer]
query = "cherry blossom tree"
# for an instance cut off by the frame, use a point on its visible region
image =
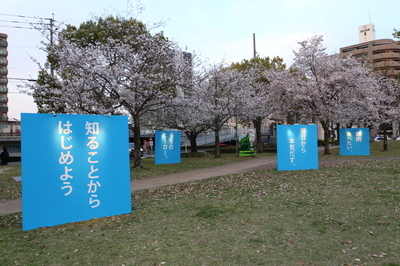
(129, 74)
(187, 114)
(385, 105)
(326, 87)
(282, 85)
(258, 106)
(223, 94)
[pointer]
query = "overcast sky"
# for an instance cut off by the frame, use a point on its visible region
(214, 30)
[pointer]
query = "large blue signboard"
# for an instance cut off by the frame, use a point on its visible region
(168, 147)
(297, 147)
(354, 141)
(74, 168)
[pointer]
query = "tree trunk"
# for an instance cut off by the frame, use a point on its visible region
(325, 126)
(338, 132)
(385, 143)
(193, 141)
(217, 153)
(257, 125)
(137, 158)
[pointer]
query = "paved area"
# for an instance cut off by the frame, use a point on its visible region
(14, 206)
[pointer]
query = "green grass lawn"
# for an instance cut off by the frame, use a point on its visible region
(345, 213)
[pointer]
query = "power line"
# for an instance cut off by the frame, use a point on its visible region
(20, 16)
(16, 21)
(17, 27)
(23, 22)
(33, 80)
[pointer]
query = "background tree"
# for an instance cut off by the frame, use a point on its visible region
(133, 74)
(385, 105)
(396, 34)
(92, 32)
(187, 114)
(258, 91)
(326, 85)
(222, 94)
(98, 30)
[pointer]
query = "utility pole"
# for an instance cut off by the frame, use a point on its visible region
(254, 46)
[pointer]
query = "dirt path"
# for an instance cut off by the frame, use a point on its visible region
(250, 165)
(15, 205)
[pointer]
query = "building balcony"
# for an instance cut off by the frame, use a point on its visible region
(3, 44)
(3, 61)
(3, 81)
(3, 109)
(3, 99)
(385, 56)
(386, 47)
(387, 64)
(3, 71)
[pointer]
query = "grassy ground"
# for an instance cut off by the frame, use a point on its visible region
(9, 188)
(187, 163)
(345, 213)
(376, 151)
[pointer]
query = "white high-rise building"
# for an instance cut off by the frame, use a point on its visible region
(366, 33)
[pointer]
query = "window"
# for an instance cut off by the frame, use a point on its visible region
(382, 43)
(362, 47)
(347, 50)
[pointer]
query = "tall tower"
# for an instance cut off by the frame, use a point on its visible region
(3, 77)
(366, 33)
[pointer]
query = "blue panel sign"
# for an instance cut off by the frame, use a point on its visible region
(74, 168)
(168, 147)
(354, 141)
(297, 147)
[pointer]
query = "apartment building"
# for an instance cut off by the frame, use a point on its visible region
(3, 77)
(382, 54)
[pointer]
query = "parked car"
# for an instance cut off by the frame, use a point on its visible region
(380, 138)
(132, 149)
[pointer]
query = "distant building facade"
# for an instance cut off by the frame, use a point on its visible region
(3, 77)
(10, 131)
(382, 54)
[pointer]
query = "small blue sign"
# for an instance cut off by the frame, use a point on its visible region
(297, 147)
(74, 168)
(354, 141)
(167, 147)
